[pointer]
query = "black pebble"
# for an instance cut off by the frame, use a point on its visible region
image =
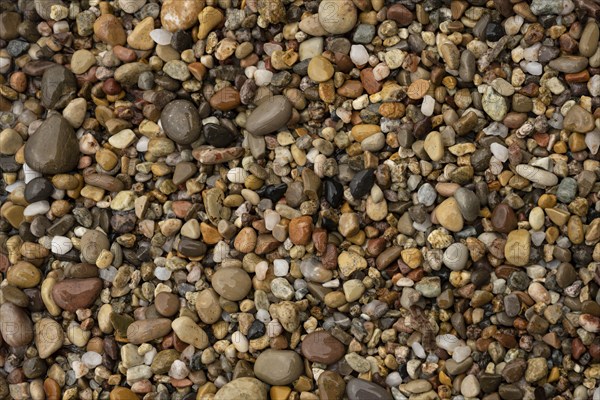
(362, 183)
(38, 189)
(494, 32)
(334, 192)
(256, 330)
(217, 135)
(273, 192)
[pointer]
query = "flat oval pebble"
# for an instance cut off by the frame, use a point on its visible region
(231, 283)
(181, 121)
(278, 367)
(73, 294)
(323, 348)
(269, 116)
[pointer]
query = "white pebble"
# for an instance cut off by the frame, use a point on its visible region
(91, 359)
(14, 186)
(359, 54)
(61, 245)
(448, 342)
(261, 270)
(272, 218)
(108, 274)
(149, 356)
(142, 144)
(461, 353)
(239, 342)
(428, 105)
(263, 77)
(161, 36)
(534, 68)
(274, 328)
(162, 273)
(280, 267)
(499, 151)
(237, 175)
(37, 208)
(592, 140)
(178, 370)
(418, 350)
(221, 251)
(79, 368)
(263, 316)
(393, 379)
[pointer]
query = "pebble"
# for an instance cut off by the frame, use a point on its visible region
(231, 283)
(58, 87)
(323, 348)
(181, 121)
(53, 148)
(360, 389)
(242, 387)
(48, 337)
(269, 116)
(109, 30)
(16, 327)
(74, 294)
(337, 16)
(278, 367)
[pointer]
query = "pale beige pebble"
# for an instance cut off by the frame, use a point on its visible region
(36, 389)
(537, 218)
(139, 38)
(104, 318)
(208, 307)
(123, 139)
(124, 201)
(434, 146)
(539, 293)
(81, 61)
(518, 247)
(76, 335)
(191, 229)
(75, 112)
(312, 26)
(449, 216)
(49, 337)
(189, 332)
(47, 299)
(10, 141)
(353, 289)
(377, 211)
(337, 16)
